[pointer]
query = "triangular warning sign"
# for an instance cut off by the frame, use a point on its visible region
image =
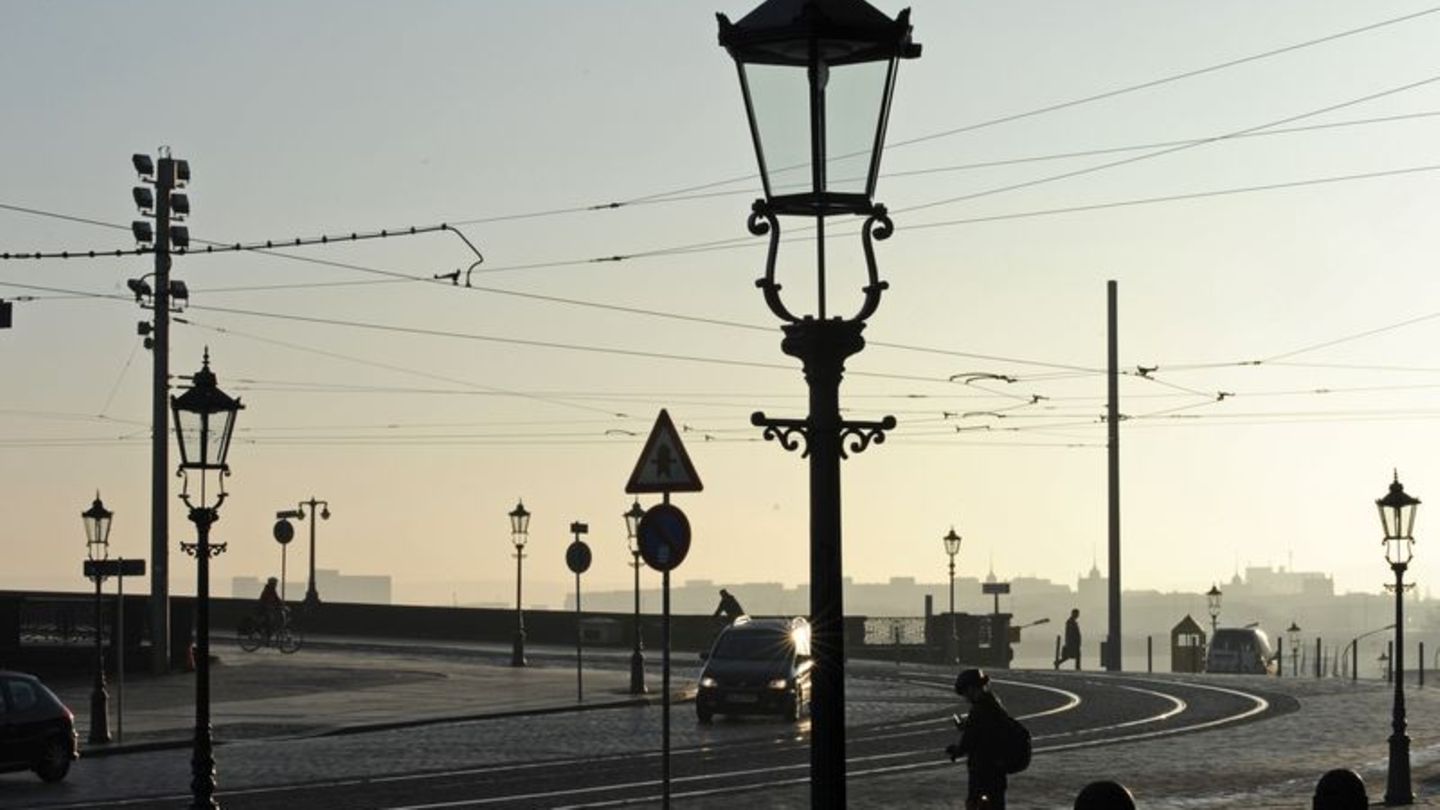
(664, 466)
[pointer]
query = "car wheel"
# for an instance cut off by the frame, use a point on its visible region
(54, 761)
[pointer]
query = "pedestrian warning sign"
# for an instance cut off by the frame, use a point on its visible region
(664, 466)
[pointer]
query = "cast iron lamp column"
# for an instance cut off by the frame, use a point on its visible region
(1292, 634)
(1212, 603)
(1397, 516)
(204, 424)
(97, 549)
(519, 533)
(952, 547)
(312, 595)
(788, 54)
(637, 656)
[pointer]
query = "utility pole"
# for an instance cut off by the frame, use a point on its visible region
(167, 174)
(1112, 418)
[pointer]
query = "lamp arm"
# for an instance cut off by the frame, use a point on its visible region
(878, 226)
(763, 221)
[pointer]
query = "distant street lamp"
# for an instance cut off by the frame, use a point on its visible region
(519, 533)
(204, 423)
(952, 547)
(1292, 634)
(312, 595)
(1397, 517)
(817, 79)
(1353, 649)
(637, 656)
(1212, 603)
(97, 549)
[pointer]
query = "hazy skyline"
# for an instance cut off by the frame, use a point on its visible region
(1286, 311)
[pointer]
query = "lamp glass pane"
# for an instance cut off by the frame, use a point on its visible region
(779, 98)
(1410, 518)
(1389, 521)
(854, 100)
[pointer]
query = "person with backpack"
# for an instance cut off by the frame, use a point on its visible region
(993, 743)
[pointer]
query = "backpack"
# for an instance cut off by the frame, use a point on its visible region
(1016, 749)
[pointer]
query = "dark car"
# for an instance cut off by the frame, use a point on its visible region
(1243, 650)
(757, 666)
(37, 731)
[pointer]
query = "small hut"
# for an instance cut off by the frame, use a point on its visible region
(1187, 646)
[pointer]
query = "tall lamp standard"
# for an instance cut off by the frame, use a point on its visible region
(952, 547)
(1397, 516)
(637, 656)
(97, 549)
(312, 596)
(519, 533)
(817, 79)
(204, 423)
(1212, 603)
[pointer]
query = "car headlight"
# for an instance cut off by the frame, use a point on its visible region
(708, 682)
(780, 683)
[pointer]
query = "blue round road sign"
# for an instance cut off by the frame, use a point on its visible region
(577, 556)
(283, 532)
(664, 535)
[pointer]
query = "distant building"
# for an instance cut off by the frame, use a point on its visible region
(332, 585)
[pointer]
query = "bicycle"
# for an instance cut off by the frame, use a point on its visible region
(253, 633)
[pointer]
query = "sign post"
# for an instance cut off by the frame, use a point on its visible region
(577, 557)
(664, 539)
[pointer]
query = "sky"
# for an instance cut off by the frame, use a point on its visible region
(1261, 181)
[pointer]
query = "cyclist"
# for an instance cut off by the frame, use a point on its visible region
(271, 608)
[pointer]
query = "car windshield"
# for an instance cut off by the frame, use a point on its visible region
(753, 646)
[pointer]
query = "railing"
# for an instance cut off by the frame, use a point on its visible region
(61, 620)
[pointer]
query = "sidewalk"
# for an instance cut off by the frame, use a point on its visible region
(336, 687)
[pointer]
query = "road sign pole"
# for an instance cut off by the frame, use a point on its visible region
(665, 687)
(579, 645)
(120, 658)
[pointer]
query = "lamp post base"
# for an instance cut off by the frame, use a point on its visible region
(637, 672)
(99, 711)
(517, 652)
(1397, 784)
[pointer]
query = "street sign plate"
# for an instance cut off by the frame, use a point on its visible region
(284, 532)
(664, 535)
(114, 568)
(664, 466)
(577, 556)
(995, 587)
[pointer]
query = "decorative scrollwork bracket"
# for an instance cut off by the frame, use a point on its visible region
(784, 431)
(861, 434)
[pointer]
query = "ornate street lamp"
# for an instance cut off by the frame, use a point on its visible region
(1212, 603)
(1397, 517)
(1292, 634)
(204, 424)
(97, 549)
(519, 533)
(637, 656)
(952, 547)
(817, 77)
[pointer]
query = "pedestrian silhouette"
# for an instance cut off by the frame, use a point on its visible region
(1340, 789)
(729, 607)
(1071, 648)
(1104, 795)
(985, 734)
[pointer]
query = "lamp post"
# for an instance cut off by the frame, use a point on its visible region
(312, 595)
(637, 656)
(952, 547)
(1212, 603)
(817, 80)
(1292, 634)
(519, 533)
(1397, 517)
(204, 423)
(97, 549)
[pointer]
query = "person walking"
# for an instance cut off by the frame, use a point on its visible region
(729, 607)
(982, 742)
(1071, 648)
